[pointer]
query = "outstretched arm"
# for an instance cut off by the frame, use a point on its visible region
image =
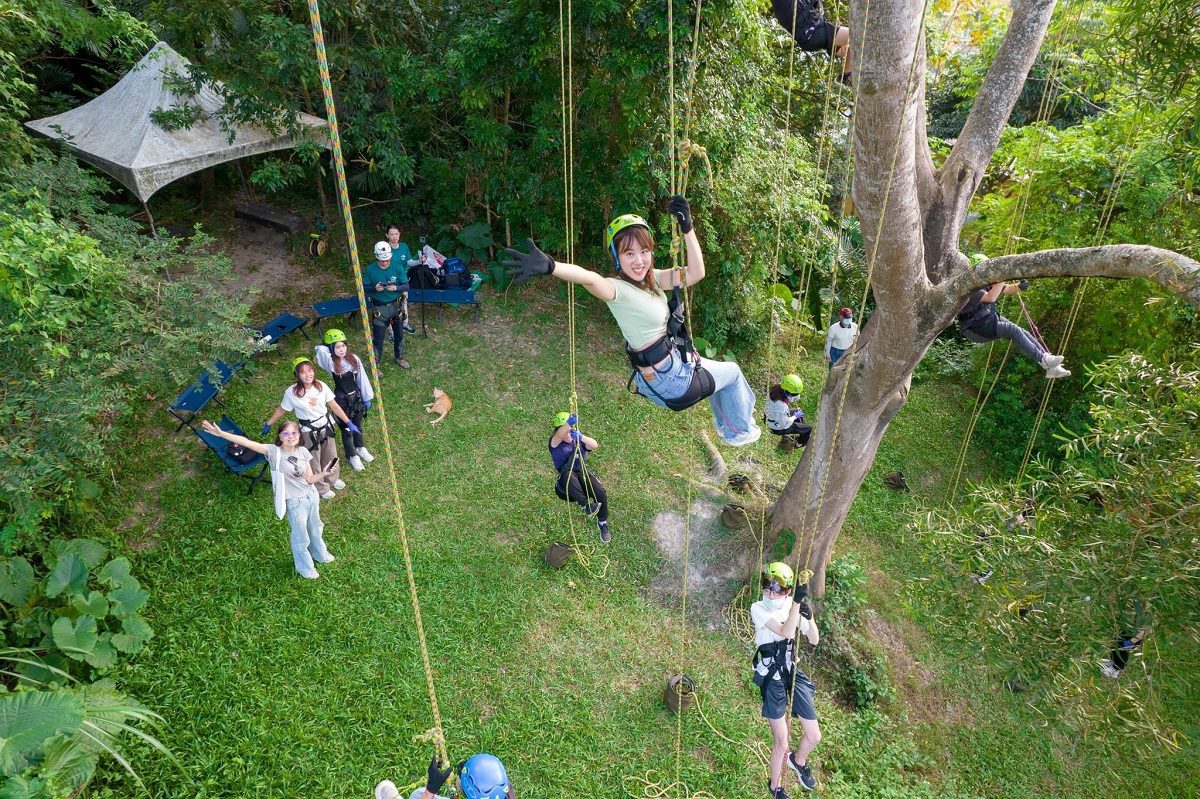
(249, 444)
(523, 266)
(595, 284)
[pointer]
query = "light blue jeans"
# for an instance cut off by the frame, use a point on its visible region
(304, 517)
(732, 403)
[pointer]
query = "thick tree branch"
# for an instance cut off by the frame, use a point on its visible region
(1172, 271)
(968, 161)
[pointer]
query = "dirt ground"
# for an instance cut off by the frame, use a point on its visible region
(263, 261)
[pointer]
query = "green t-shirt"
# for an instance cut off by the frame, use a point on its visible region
(393, 275)
(642, 316)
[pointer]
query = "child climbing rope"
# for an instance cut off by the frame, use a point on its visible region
(313, 402)
(782, 419)
(813, 32)
(480, 777)
(666, 368)
(980, 322)
(292, 480)
(776, 618)
(576, 481)
(351, 388)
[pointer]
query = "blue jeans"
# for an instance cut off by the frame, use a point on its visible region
(1014, 333)
(732, 402)
(304, 517)
(834, 355)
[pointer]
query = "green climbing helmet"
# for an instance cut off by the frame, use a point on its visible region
(561, 418)
(978, 258)
(333, 336)
(302, 359)
(616, 226)
(779, 573)
(792, 384)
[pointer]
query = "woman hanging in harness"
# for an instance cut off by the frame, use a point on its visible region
(666, 368)
(576, 480)
(352, 390)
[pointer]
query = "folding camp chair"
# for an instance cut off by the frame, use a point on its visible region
(281, 325)
(194, 399)
(220, 448)
(226, 371)
(342, 306)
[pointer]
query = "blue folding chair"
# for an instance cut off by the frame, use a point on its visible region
(281, 325)
(220, 448)
(194, 399)
(341, 306)
(226, 371)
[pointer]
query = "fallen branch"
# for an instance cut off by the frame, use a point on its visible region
(716, 465)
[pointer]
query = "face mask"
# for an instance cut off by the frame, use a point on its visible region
(776, 604)
(847, 322)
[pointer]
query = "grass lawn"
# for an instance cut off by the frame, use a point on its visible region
(274, 686)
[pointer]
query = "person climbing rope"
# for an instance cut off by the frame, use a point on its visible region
(980, 322)
(782, 419)
(813, 32)
(576, 480)
(352, 390)
(666, 368)
(1137, 624)
(840, 337)
(386, 285)
(312, 402)
(292, 480)
(480, 777)
(776, 618)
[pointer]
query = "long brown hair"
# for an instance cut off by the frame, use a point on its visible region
(337, 362)
(640, 237)
(298, 389)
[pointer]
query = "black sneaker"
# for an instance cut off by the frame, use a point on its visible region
(803, 773)
(591, 509)
(605, 535)
(780, 793)
(409, 328)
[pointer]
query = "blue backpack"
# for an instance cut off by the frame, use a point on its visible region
(457, 274)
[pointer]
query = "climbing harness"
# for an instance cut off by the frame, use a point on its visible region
(677, 341)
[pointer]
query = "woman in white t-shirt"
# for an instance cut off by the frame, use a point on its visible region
(312, 402)
(776, 619)
(292, 479)
(637, 301)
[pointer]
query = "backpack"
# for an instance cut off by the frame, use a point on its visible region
(457, 275)
(422, 276)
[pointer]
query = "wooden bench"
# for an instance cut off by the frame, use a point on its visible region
(269, 215)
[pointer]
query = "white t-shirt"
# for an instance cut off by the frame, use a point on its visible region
(313, 406)
(760, 614)
(288, 476)
(840, 337)
(642, 316)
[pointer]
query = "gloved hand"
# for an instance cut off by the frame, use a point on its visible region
(1023, 285)
(805, 608)
(436, 777)
(679, 208)
(366, 405)
(1127, 644)
(266, 428)
(575, 436)
(352, 427)
(524, 266)
(798, 414)
(573, 419)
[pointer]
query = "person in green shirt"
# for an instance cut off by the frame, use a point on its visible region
(386, 284)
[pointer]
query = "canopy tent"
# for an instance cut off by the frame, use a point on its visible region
(116, 133)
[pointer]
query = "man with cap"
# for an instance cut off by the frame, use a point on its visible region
(386, 286)
(840, 337)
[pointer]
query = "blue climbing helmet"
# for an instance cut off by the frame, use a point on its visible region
(616, 226)
(483, 777)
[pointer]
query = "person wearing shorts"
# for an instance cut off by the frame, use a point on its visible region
(776, 618)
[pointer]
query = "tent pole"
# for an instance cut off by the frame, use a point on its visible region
(150, 217)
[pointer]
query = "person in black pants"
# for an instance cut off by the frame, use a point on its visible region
(576, 482)
(812, 31)
(352, 390)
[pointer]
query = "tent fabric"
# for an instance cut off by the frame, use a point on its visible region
(115, 132)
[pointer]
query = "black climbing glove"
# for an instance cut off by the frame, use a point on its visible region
(436, 777)
(679, 208)
(1023, 285)
(805, 608)
(523, 266)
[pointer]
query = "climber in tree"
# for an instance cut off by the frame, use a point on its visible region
(980, 322)
(805, 20)
(666, 368)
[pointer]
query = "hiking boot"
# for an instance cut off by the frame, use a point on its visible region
(356, 463)
(403, 363)
(1108, 669)
(605, 535)
(1055, 372)
(803, 773)
(339, 485)
(366, 456)
(1050, 361)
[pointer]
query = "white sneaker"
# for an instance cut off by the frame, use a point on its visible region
(309, 575)
(328, 495)
(1108, 669)
(367, 458)
(747, 438)
(339, 485)
(387, 790)
(1050, 361)
(1055, 372)
(329, 559)
(356, 463)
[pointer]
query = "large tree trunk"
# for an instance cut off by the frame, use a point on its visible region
(911, 217)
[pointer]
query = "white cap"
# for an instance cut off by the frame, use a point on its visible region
(383, 251)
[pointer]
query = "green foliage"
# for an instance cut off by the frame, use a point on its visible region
(78, 607)
(844, 647)
(90, 330)
(1101, 548)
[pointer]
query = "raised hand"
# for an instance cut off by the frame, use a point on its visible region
(679, 208)
(523, 266)
(436, 777)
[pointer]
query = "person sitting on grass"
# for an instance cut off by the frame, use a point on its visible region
(292, 480)
(576, 481)
(666, 372)
(805, 20)
(312, 402)
(351, 388)
(980, 322)
(782, 419)
(480, 777)
(776, 618)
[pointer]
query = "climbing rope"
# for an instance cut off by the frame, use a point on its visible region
(314, 15)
